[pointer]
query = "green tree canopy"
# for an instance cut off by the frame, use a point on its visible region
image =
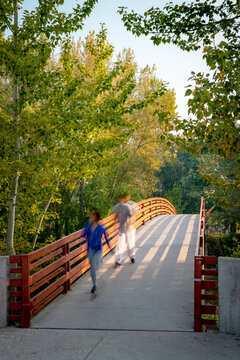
(213, 124)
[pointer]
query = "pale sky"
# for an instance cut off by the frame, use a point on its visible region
(173, 65)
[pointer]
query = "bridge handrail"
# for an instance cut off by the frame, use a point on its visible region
(200, 282)
(200, 235)
(42, 275)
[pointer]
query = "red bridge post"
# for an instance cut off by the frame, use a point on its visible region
(143, 213)
(197, 293)
(25, 292)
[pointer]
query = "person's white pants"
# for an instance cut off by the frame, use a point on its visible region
(126, 242)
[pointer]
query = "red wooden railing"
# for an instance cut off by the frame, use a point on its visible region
(201, 284)
(42, 275)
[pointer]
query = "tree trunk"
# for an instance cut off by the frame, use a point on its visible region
(11, 216)
(81, 204)
(233, 228)
(56, 228)
(115, 180)
(40, 223)
(14, 190)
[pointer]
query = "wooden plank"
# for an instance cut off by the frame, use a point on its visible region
(47, 249)
(14, 259)
(113, 231)
(15, 294)
(108, 220)
(15, 282)
(15, 270)
(79, 273)
(47, 292)
(46, 279)
(208, 284)
(47, 270)
(208, 309)
(56, 245)
(47, 300)
(15, 317)
(81, 250)
(77, 268)
(15, 305)
(212, 272)
(77, 258)
(208, 296)
(209, 260)
(45, 259)
(209, 321)
(76, 242)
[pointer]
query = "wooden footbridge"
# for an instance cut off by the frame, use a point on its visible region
(166, 289)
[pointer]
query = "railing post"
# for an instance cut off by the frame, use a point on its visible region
(150, 203)
(143, 214)
(67, 284)
(197, 293)
(25, 292)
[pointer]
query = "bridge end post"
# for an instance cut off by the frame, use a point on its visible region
(197, 293)
(26, 316)
(143, 213)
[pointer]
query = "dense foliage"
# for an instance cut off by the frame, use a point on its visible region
(180, 182)
(223, 245)
(80, 129)
(213, 26)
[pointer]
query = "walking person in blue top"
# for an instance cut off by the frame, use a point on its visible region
(93, 231)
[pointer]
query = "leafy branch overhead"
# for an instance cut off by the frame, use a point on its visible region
(186, 25)
(214, 104)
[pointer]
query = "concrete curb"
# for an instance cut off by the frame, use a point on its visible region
(4, 275)
(229, 295)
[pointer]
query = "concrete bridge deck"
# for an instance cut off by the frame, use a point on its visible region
(154, 294)
(144, 310)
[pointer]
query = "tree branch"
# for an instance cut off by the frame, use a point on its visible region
(5, 17)
(46, 133)
(5, 109)
(41, 220)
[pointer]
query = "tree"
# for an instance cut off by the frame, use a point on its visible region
(180, 182)
(223, 177)
(214, 105)
(132, 133)
(25, 53)
(82, 109)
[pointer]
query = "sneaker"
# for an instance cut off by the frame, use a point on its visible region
(94, 289)
(117, 265)
(133, 261)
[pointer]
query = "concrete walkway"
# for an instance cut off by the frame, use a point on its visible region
(155, 293)
(143, 312)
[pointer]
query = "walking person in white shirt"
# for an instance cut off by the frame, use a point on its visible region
(132, 228)
(123, 215)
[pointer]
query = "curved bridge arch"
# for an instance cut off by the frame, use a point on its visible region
(50, 271)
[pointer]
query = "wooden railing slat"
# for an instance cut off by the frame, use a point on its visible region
(47, 300)
(208, 309)
(209, 284)
(45, 259)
